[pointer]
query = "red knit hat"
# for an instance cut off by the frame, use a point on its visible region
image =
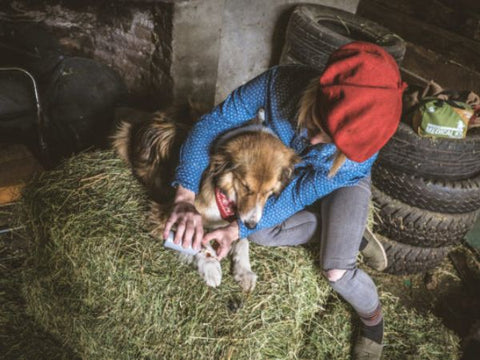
(360, 99)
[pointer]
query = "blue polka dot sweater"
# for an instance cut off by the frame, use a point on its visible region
(278, 91)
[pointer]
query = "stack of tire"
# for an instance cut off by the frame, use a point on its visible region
(427, 197)
(315, 31)
(425, 191)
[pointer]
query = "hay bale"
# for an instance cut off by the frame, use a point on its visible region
(96, 279)
(21, 337)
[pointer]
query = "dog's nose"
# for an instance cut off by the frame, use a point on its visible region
(250, 224)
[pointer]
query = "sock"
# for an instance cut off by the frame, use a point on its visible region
(363, 244)
(372, 325)
(374, 333)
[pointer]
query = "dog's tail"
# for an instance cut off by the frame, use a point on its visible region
(125, 118)
(150, 142)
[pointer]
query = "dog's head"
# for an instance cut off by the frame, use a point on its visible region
(249, 169)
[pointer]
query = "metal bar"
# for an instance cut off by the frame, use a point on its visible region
(40, 123)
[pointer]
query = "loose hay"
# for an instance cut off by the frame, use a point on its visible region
(20, 337)
(95, 279)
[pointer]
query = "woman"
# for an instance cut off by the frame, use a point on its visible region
(337, 121)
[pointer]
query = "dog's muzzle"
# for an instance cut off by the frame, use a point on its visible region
(250, 224)
(252, 218)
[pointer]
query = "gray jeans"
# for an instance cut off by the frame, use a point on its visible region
(339, 225)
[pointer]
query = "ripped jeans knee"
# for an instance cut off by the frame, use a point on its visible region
(334, 274)
(356, 287)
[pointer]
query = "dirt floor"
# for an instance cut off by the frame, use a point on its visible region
(450, 291)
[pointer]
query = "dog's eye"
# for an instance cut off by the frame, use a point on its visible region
(246, 187)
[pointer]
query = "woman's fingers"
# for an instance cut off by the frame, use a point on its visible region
(181, 225)
(198, 236)
(189, 233)
(168, 225)
(223, 250)
(188, 225)
(224, 237)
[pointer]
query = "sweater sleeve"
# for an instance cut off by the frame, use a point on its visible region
(239, 107)
(309, 185)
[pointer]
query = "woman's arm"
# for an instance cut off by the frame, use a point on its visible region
(308, 186)
(239, 107)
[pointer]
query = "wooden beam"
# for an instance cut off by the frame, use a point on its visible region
(432, 66)
(456, 47)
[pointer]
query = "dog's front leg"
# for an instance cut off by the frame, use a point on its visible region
(209, 267)
(242, 271)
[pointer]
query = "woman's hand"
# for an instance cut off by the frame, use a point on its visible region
(189, 229)
(225, 237)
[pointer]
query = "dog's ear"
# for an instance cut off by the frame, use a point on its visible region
(287, 172)
(220, 163)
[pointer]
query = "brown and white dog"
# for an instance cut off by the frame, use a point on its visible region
(247, 166)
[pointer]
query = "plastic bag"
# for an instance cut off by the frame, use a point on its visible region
(434, 117)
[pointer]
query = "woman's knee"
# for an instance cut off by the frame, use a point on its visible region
(296, 230)
(334, 275)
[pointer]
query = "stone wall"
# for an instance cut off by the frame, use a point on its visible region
(133, 38)
(171, 49)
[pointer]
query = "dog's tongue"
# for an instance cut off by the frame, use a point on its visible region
(226, 207)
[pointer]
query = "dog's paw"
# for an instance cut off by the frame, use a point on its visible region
(247, 279)
(185, 258)
(211, 272)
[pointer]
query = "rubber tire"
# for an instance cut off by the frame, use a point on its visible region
(432, 158)
(417, 227)
(446, 196)
(315, 31)
(406, 259)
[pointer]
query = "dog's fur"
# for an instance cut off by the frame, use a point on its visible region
(248, 165)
